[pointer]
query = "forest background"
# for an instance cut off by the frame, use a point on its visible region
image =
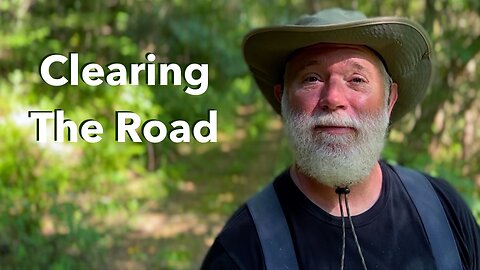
(132, 205)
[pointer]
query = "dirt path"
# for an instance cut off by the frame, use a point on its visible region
(176, 233)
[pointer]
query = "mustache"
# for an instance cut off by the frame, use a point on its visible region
(333, 119)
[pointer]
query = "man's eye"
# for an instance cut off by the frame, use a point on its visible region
(311, 79)
(358, 80)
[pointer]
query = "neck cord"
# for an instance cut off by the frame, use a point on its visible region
(343, 229)
(345, 191)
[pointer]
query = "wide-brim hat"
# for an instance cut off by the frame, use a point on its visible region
(403, 45)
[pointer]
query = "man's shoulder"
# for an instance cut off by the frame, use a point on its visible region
(237, 246)
(454, 205)
(462, 223)
(233, 245)
(451, 200)
(239, 221)
(447, 194)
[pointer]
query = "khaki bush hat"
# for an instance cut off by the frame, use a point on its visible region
(403, 44)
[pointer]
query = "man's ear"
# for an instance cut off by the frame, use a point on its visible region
(393, 98)
(278, 92)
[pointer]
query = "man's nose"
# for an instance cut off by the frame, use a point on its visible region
(332, 97)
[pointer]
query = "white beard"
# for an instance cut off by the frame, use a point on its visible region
(335, 160)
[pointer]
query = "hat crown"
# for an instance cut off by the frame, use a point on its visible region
(331, 16)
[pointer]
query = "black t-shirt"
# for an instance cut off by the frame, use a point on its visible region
(390, 233)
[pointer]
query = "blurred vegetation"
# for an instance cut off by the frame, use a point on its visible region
(139, 206)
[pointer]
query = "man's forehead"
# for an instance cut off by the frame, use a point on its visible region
(312, 54)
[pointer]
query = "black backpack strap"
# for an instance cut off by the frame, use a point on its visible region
(272, 230)
(433, 217)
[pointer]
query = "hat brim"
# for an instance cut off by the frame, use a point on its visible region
(404, 46)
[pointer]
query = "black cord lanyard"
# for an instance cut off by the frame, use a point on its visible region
(345, 191)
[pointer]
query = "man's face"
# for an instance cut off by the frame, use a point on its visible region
(336, 112)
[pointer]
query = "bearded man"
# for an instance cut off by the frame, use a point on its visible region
(338, 79)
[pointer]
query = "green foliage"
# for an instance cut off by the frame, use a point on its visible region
(68, 205)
